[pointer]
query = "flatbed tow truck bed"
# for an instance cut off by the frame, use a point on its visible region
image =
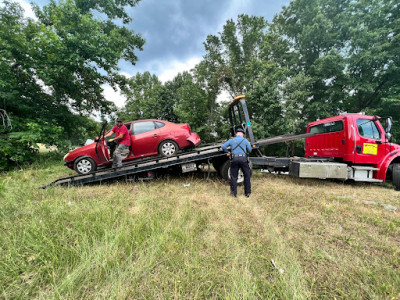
(211, 153)
(199, 155)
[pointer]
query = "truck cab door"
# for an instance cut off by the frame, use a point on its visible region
(369, 141)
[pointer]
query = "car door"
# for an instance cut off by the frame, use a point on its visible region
(145, 138)
(369, 145)
(101, 150)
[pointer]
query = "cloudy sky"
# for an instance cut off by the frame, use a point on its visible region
(175, 30)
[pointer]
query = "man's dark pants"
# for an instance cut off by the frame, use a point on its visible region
(237, 163)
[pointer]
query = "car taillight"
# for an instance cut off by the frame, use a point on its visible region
(186, 126)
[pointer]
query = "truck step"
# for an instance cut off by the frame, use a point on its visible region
(367, 180)
(362, 173)
(365, 168)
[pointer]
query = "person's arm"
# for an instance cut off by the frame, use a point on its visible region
(120, 137)
(110, 133)
(226, 145)
(248, 146)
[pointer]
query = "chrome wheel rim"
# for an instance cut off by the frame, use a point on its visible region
(168, 149)
(84, 166)
(240, 175)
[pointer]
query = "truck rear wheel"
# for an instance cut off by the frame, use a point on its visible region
(225, 172)
(396, 176)
(217, 165)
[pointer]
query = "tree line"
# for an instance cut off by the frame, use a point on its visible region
(315, 59)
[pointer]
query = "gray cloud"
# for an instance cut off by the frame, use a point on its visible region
(176, 30)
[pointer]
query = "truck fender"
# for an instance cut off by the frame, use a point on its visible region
(384, 165)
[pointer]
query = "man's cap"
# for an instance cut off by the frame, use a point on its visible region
(119, 120)
(239, 130)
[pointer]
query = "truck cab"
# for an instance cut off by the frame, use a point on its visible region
(358, 140)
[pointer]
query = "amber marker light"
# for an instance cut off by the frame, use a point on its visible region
(240, 97)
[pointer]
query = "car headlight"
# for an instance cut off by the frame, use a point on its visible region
(65, 156)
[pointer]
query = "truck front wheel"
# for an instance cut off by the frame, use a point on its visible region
(396, 176)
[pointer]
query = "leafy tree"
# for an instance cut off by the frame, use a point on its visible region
(349, 49)
(233, 63)
(139, 92)
(191, 107)
(229, 54)
(313, 30)
(53, 69)
(148, 98)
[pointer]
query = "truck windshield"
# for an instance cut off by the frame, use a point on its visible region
(327, 127)
(367, 128)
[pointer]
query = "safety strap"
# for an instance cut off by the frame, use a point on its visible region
(238, 145)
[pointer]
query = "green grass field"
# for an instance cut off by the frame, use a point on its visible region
(161, 239)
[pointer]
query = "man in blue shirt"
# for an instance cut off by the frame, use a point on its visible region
(237, 149)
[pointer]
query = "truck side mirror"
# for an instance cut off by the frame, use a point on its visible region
(388, 128)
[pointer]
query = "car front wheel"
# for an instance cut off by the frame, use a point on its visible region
(85, 165)
(168, 148)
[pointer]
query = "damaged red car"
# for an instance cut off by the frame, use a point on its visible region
(148, 138)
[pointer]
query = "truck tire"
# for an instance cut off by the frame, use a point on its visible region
(396, 176)
(85, 165)
(225, 172)
(217, 163)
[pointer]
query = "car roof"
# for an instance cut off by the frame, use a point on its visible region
(152, 120)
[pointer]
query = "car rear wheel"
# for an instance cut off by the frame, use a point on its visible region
(168, 148)
(396, 176)
(85, 165)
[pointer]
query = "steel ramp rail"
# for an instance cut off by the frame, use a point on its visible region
(204, 153)
(283, 138)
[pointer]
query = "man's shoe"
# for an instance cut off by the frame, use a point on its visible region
(233, 195)
(247, 195)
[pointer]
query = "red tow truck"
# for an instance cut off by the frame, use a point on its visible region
(347, 147)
